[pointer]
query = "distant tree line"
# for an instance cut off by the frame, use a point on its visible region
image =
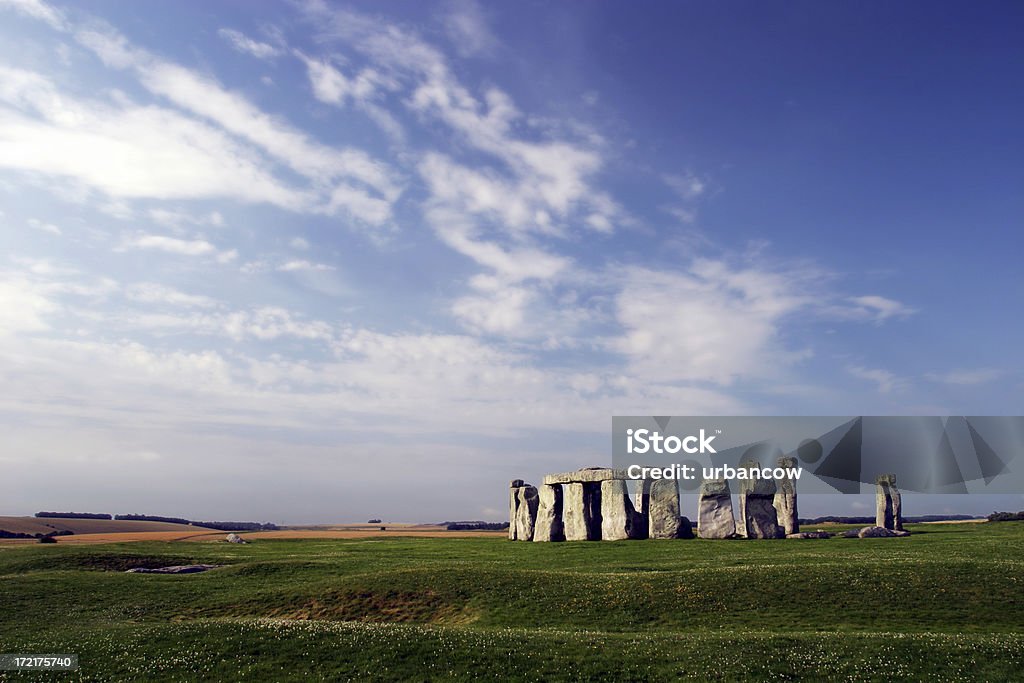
(222, 526)
(1006, 517)
(19, 534)
(74, 515)
(476, 526)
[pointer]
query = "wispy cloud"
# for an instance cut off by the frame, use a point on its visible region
(885, 380)
(468, 28)
(249, 46)
(878, 308)
(966, 377)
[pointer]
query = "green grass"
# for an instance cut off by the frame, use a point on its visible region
(946, 604)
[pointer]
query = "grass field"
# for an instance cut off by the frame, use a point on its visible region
(944, 604)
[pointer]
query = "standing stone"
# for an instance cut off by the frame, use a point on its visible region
(758, 518)
(897, 505)
(888, 503)
(549, 514)
(526, 512)
(785, 500)
(661, 503)
(513, 505)
(714, 511)
(619, 520)
(581, 521)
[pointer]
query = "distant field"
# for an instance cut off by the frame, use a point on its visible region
(93, 531)
(44, 525)
(945, 604)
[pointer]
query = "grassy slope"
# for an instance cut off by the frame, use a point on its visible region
(945, 603)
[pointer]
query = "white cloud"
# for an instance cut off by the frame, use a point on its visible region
(299, 243)
(201, 95)
(37, 9)
(44, 226)
(966, 377)
(878, 308)
(301, 264)
(359, 204)
(885, 380)
(171, 245)
(247, 45)
(331, 86)
(23, 307)
(501, 312)
(205, 97)
(468, 28)
(154, 293)
(688, 186)
(173, 218)
(128, 151)
(709, 323)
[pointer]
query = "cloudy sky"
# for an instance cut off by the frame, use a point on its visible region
(319, 261)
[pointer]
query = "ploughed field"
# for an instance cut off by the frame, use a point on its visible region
(947, 603)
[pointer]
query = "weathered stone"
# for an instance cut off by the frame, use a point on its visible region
(849, 533)
(875, 532)
(714, 511)
(661, 505)
(516, 483)
(758, 517)
(785, 500)
(883, 502)
(900, 532)
(235, 538)
(513, 506)
(549, 514)
(619, 520)
(581, 512)
(810, 534)
(177, 569)
(585, 476)
(897, 505)
(526, 512)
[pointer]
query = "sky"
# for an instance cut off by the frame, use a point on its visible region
(318, 262)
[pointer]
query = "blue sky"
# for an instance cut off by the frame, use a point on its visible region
(320, 261)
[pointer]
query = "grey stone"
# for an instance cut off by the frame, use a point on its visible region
(526, 512)
(235, 538)
(516, 483)
(888, 503)
(586, 475)
(581, 511)
(177, 569)
(714, 510)
(897, 506)
(875, 532)
(785, 500)
(810, 534)
(513, 506)
(900, 532)
(661, 505)
(549, 514)
(619, 520)
(758, 517)
(849, 533)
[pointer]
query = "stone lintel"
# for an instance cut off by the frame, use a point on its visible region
(588, 475)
